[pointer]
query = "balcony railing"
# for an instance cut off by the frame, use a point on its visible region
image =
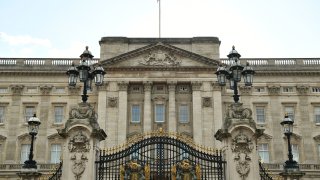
(279, 167)
(17, 167)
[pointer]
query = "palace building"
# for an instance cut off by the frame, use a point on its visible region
(167, 83)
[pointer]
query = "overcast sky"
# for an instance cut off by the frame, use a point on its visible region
(257, 28)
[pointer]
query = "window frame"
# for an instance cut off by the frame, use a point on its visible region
(260, 115)
(55, 115)
(262, 150)
(163, 113)
(291, 116)
(132, 113)
(24, 152)
(57, 152)
(316, 112)
(295, 152)
(28, 116)
(187, 111)
(3, 115)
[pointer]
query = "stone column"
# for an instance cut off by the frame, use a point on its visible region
(82, 135)
(123, 110)
(197, 115)
(239, 137)
(217, 110)
(147, 119)
(102, 106)
(172, 106)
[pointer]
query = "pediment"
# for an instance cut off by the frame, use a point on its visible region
(160, 56)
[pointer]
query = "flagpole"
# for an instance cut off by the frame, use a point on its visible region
(159, 18)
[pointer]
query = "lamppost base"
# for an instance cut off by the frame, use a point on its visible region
(291, 171)
(29, 174)
(30, 164)
(291, 165)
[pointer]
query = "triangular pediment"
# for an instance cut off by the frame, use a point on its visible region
(161, 56)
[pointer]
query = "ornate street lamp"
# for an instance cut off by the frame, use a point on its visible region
(233, 74)
(33, 127)
(287, 126)
(291, 168)
(85, 74)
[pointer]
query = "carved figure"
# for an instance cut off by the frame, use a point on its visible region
(185, 170)
(134, 171)
(160, 58)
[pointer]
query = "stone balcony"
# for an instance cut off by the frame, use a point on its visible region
(10, 170)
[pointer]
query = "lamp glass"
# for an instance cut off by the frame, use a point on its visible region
(222, 79)
(236, 72)
(231, 82)
(89, 84)
(248, 79)
(83, 75)
(73, 79)
(98, 79)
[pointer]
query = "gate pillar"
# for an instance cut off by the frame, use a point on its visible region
(239, 141)
(82, 136)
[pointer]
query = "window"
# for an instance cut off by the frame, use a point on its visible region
(25, 150)
(29, 112)
(263, 151)
(317, 114)
(2, 114)
(316, 89)
(159, 113)
(55, 153)
(183, 113)
(260, 113)
(295, 152)
(135, 113)
(259, 89)
(290, 111)
(287, 89)
(3, 90)
(58, 114)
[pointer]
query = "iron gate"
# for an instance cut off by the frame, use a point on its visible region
(160, 154)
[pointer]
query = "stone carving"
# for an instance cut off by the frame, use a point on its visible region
(113, 101)
(82, 112)
(242, 146)
(206, 102)
(79, 145)
(45, 89)
(236, 114)
(274, 90)
(160, 58)
(17, 89)
(302, 89)
(74, 90)
(147, 86)
(245, 90)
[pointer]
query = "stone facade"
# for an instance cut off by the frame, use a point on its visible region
(168, 83)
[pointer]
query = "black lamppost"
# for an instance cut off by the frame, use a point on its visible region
(287, 125)
(33, 127)
(233, 74)
(85, 74)
(291, 168)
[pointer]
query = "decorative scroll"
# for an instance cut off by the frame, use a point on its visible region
(113, 101)
(17, 89)
(302, 89)
(79, 145)
(242, 146)
(45, 90)
(206, 102)
(160, 58)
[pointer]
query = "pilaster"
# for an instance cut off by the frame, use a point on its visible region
(217, 110)
(102, 106)
(123, 110)
(172, 106)
(147, 120)
(197, 115)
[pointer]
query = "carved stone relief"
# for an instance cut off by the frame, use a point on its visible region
(78, 146)
(160, 58)
(112, 102)
(274, 90)
(236, 114)
(302, 89)
(206, 102)
(45, 89)
(147, 86)
(17, 89)
(242, 146)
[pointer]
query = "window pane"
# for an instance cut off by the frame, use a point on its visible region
(263, 151)
(2, 114)
(159, 113)
(30, 110)
(319, 150)
(290, 111)
(25, 150)
(135, 113)
(58, 114)
(55, 153)
(295, 152)
(184, 113)
(317, 114)
(260, 114)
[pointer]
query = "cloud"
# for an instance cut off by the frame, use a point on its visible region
(24, 40)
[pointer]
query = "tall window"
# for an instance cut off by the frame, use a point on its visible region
(159, 113)
(183, 113)
(25, 150)
(290, 111)
(260, 112)
(55, 153)
(2, 114)
(263, 151)
(58, 114)
(295, 152)
(135, 113)
(29, 112)
(317, 114)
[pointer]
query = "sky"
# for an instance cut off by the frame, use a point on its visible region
(62, 28)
